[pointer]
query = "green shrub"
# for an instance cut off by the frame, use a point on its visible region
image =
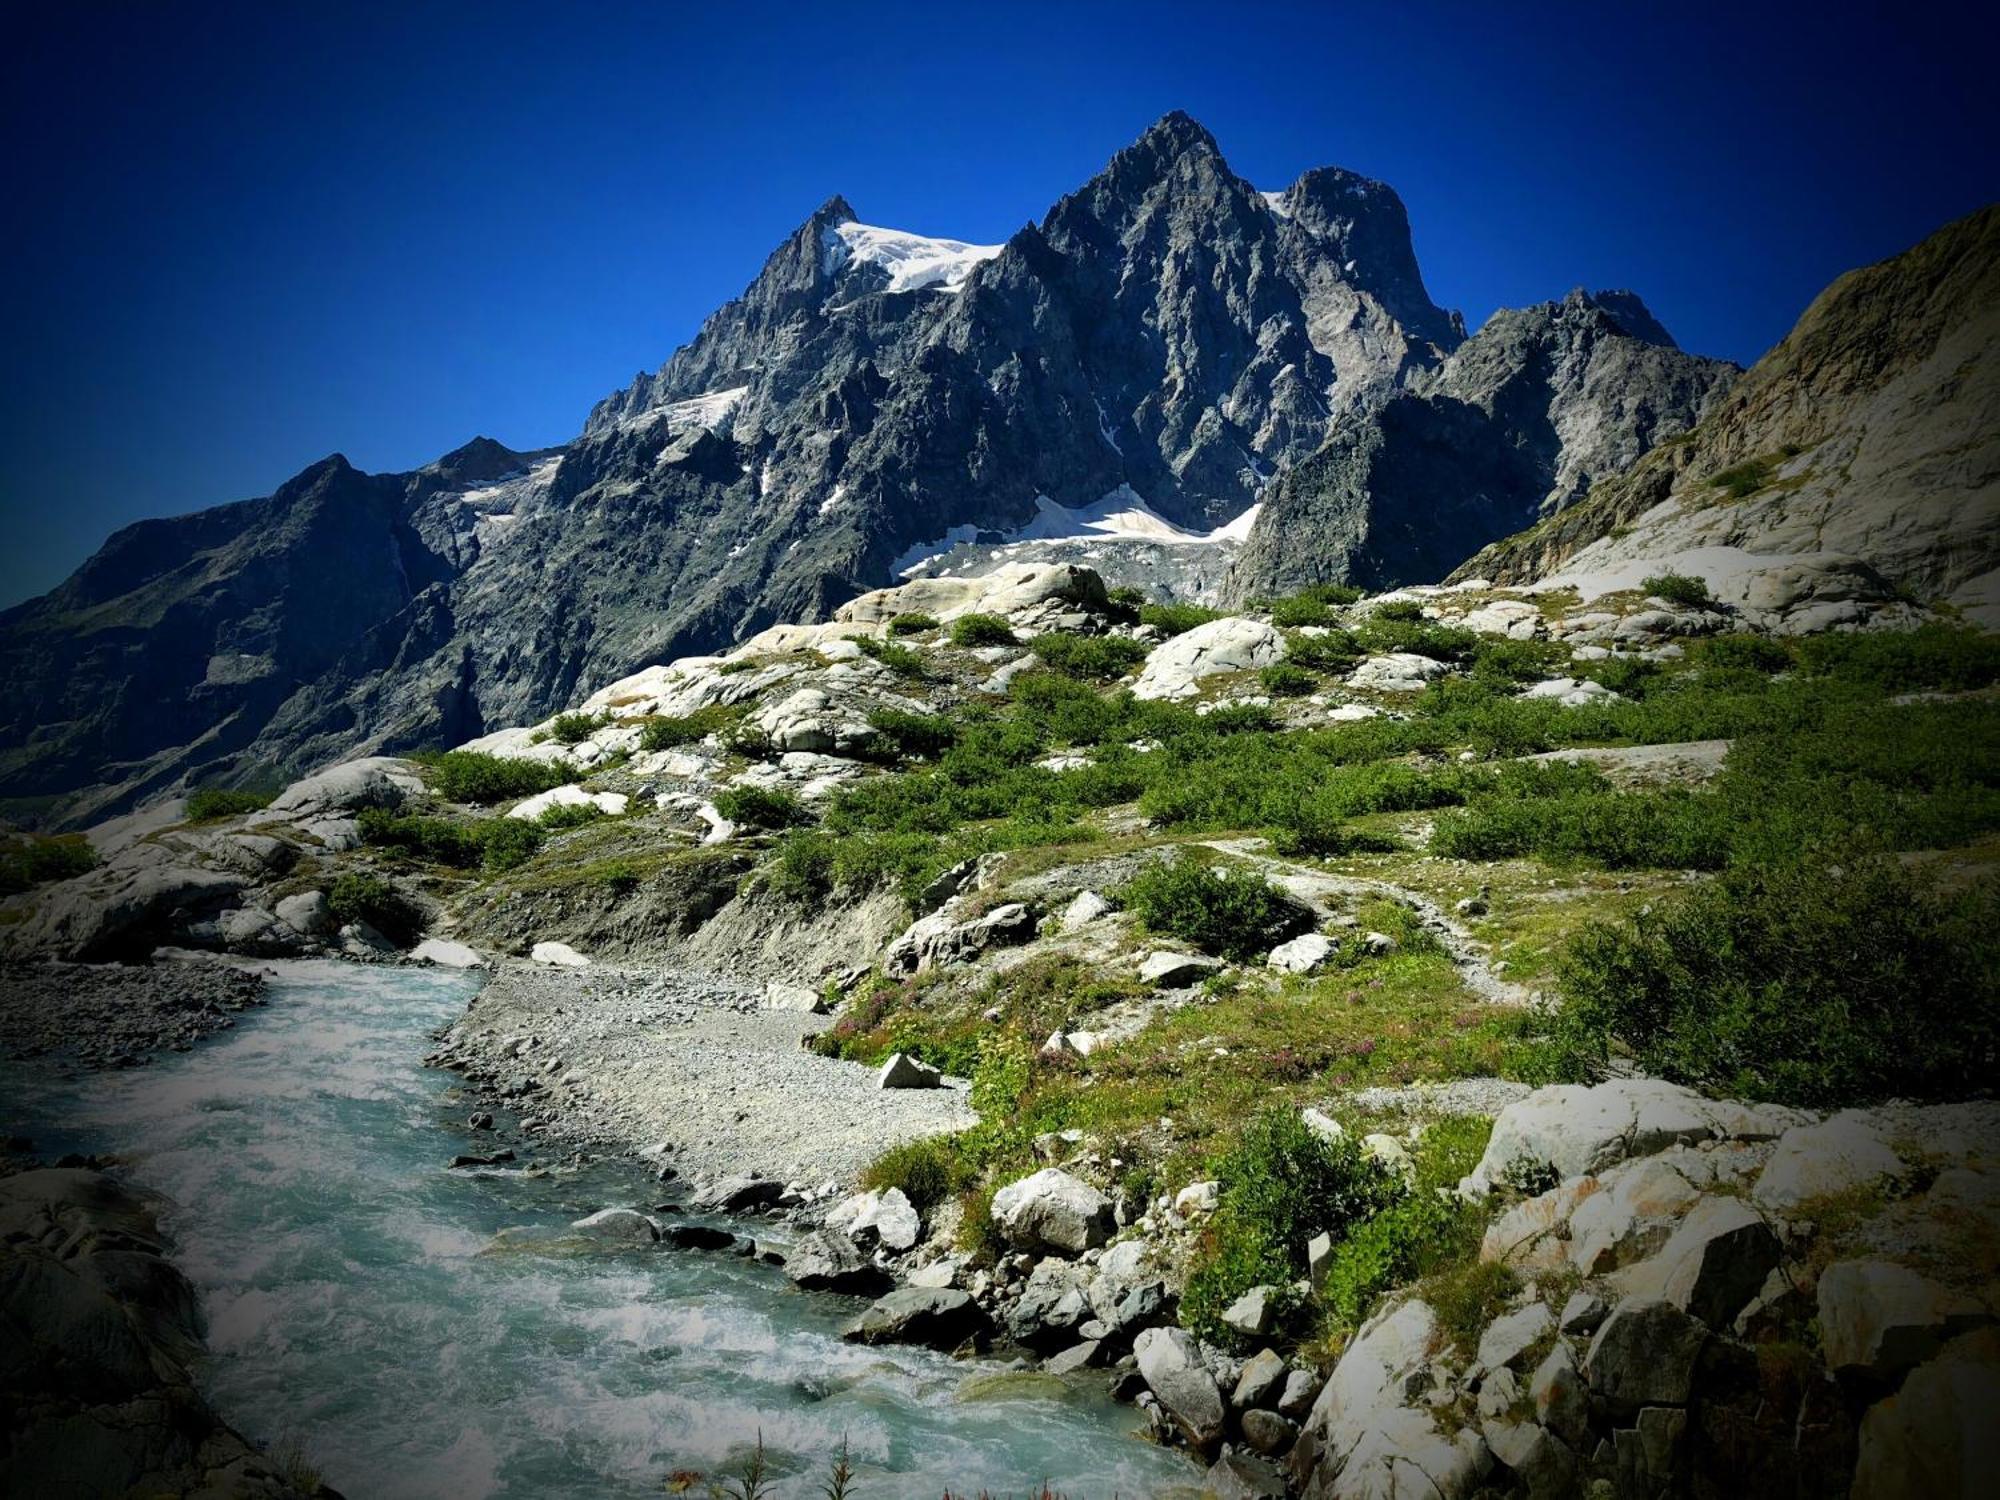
(911, 623)
(914, 736)
(762, 807)
(1392, 628)
(1176, 619)
(507, 843)
(981, 630)
(474, 776)
(1125, 596)
(1500, 659)
(929, 1171)
(1668, 829)
(621, 877)
(667, 732)
(1099, 658)
(1402, 611)
(1332, 651)
(1743, 652)
(1678, 588)
(370, 899)
(1282, 679)
(32, 860)
(1933, 658)
(439, 841)
(1798, 982)
(899, 659)
(224, 802)
(1627, 676)
(1236, 915)
(1740, 481)
(569, 815)
(574, 729)
(1315, 604)
(1283, 1184)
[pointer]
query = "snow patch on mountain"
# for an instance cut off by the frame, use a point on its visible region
(913, 261)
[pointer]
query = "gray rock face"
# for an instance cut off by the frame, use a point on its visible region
(1517, 424)
(1858, 444)
(1644, 1355)
(1878, 1319)
(1165, 328)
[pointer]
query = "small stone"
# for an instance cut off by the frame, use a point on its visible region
(1173, 971)
(1077, 1357)
(1253, 1313)
(1267, 1432)
(1262, 1379)
(1198, 1198)
(1301, 1390)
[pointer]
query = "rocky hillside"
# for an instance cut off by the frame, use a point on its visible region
(1867, 441)
(1539, 1042)
(1117, 385)
(1517, 424)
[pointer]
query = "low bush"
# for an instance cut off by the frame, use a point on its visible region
(762, 807)
(574, 729)
(1669, 829)
(1236, 915)
(1802, 982)
(1391, 629)
(1284, 679)
(507, 843)
(1283, 1184)
(438, 841)
(1933, 658)
(1499, 659)
(225, 802)
(981, 630)
(898, 659)
(1679, 588)
(914, 736)
(474, 776)
(928, 1171)
(569, 815)
(1094, 658)
(1176, 619)
(31, 860)
(1316, 604)
(370, 899)
(620, 877)
(1742, 652)
(911, 623)
(1327, 651)
(668, 732)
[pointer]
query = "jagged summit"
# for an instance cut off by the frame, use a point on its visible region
(1165, 337)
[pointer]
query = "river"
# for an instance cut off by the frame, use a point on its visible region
(352, 1309)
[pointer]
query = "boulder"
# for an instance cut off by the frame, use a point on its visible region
(1232, 644)
(1053, 1211)
(828, 1261)
(1849, 1150)
(1087, 907)
(1936, 1438)
(1172, 1367)
(342, 791)
(611, 804)
(446, 954)
(1562, 1400)
(122, 911)
(781, 994)
(1537, 1458)
(1077, 1357)
(1629, 1216)
(738, 1195)
(1238, 1476)
(1878, 1319)
(1644, 1355)
(903, 1071)
(1053, 1306)
(1267, 1432)
(561, 955)
(941, 938)
(1366, 1440)
(1173, 971)
(1296, 1399)
(697, 1237)
(1582, 1313)
(1397, 672)
(1391, 1153)
(308, 913)
(1261, 1382)
(1575, 1129)
(887, 1216)
(1714, 1263)
(1507, 1339)
(1253, 1313)
(1302, 955)
(938, 1317)
(618, 1226)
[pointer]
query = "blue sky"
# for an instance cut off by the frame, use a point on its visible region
(247, 236)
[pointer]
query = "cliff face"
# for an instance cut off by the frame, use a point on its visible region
(1166, 331)
(1872, 431)
(1518, 423)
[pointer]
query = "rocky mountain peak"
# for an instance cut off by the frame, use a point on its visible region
(1364, 228)
(1633, 316)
